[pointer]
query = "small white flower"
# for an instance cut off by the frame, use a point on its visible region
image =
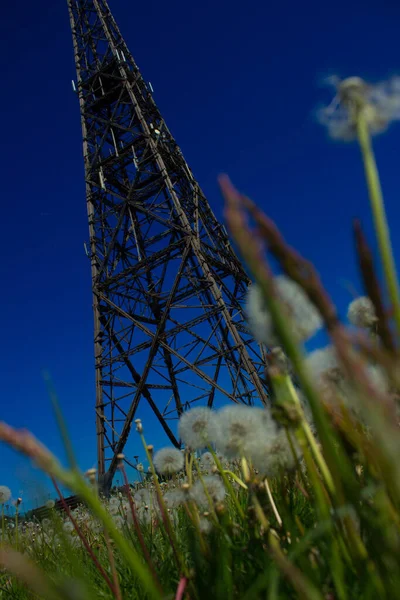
(168, 461)
(304, 318)
(5, 494)
(197, 427)
(379, 103)
(215, 489)
(139, 467)
(361, 313)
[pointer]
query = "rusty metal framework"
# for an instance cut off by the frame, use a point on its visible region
(168, 288)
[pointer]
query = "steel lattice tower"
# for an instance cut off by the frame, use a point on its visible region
(167, 287)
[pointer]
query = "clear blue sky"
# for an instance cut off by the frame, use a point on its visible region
(237, 83)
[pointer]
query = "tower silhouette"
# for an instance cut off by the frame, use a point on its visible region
(168, 289)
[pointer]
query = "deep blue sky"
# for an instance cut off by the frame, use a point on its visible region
(237, 83)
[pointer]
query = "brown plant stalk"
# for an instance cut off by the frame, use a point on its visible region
(371, 285)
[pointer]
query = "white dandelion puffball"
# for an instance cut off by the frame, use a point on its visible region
(378, 379)
(215, 489)
(324, 366)
(380, 105)
(237, 425)
(271, 453)
(142, 498)
(205, 525)
(168, 461)
(50, 504)
(197, 427)
(207, 461)
(68, 527)
(361, 313)
(174, 498)
(304, 317)
(5, 494)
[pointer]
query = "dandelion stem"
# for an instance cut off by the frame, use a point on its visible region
(272, 502)
(227, 483)
(379, 214)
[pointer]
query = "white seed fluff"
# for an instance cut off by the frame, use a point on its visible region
(197, 427)
(168, 461)
(215, 489)
(5, 494)
(304, 317)
(142, 498)
(361, 313)
(207, 461)
(238, 425)
(271, 453)
(174, 498)
(324, 366)
(380, 106)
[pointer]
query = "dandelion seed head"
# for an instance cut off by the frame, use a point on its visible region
(118, 521)
(237, 425)
(197, 427)
(68, 527)
(279, 358)
(168, 461)
(215, 489)
(361, 313)
(271, 454)
(380, 104)
(174, 498)
(46, 523)
(207, 461)
(142, 497)
(305, 319)
(50, 504)
(378, 379)
(324, 366)
(205, 525)
(5, 494)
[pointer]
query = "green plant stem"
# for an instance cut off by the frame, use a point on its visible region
(2, 524)
(272, 502)
(379, 215)
(16, 527)
(227, 483)
(163, 508)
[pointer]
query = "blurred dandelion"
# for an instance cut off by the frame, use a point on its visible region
(305, 318)
(168, 461)
(215, 489)
(238, 425)
(361, 313)
(271, 453)
(380, 104)
(5, 494)
(197, 427)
